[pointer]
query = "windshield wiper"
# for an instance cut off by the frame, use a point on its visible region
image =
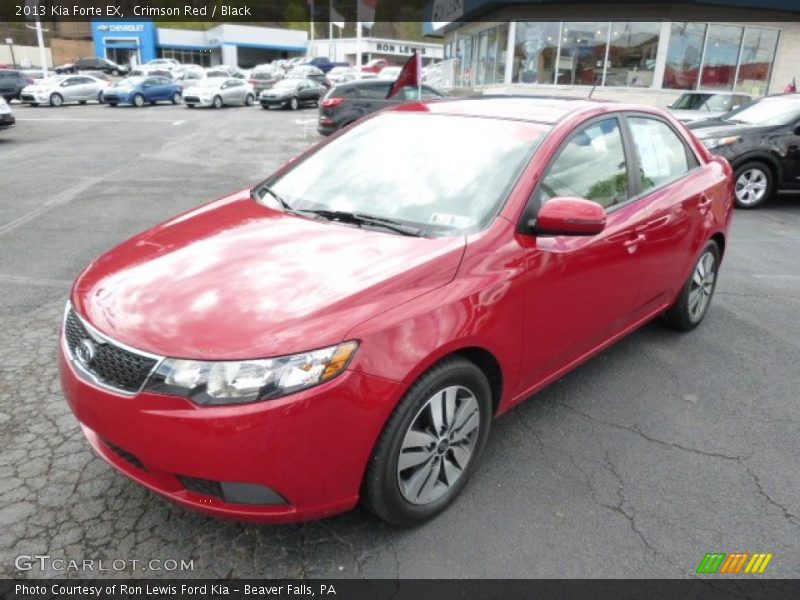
(363, 219)
(265, 188)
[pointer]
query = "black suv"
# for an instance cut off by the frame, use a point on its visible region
(348, 102)
(762, 142)
(12, 82)
(94, 63)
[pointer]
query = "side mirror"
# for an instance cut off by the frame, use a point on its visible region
(569, 216)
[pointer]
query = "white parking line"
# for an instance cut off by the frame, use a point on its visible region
(64, 197)
(103, 120)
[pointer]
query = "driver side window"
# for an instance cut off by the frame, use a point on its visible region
(591, 165)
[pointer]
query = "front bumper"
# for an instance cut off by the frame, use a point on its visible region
(273, 101)
(311, 448)
(198, 100)
(35, 97)
(117, 98)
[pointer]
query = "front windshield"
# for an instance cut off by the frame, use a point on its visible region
(781, 110)
(210, 83)
(440, 172)
(284, 84)
(704, 102)
(130, 81)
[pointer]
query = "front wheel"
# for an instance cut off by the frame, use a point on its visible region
(430, 445)
(217, 102)
(294, 103)
(250, 100)
(138, 101)
(695, 298)
(56, 100)
(115, 73)
(754, 184)
(176, 98)
(82, 102)
(112, 103)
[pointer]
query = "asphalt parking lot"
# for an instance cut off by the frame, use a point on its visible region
(663, 448)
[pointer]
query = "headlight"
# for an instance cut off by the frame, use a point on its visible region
(717, 142)
(236, 382)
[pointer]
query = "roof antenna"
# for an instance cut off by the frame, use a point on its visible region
(591, 92)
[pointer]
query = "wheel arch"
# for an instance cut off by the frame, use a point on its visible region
(770, 161)
(719, 238)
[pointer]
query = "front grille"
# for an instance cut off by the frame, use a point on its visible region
(28, 97)
(206, 487)
(191, 99)
(111, 365)
(125, 455)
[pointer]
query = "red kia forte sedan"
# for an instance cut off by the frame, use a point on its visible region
(291, 349)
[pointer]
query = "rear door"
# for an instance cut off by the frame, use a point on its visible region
(372, 97)
(672, 194)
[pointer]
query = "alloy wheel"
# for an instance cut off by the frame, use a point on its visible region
(438, 445)
(751, 186)
(702, 286)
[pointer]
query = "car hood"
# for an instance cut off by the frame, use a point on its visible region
(236, 280)
(709, 128)
(694, 115)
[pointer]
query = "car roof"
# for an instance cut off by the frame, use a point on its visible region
(540, 109)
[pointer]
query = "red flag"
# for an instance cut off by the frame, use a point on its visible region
(410, 74)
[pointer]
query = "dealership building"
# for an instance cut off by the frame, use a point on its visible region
(395, 51)
(129, 42)
(637, 52)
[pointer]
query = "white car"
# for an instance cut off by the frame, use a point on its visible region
(219, 92)
(162, 63)
(56, 91)
(6, 116)
(389, 73)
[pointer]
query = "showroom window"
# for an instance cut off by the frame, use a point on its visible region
(755, 63)
(583, 53)
(632, 54)
(188, 57)
(535, 52)
(481, 57)
(720, 57)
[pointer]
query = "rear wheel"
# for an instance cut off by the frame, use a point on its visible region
(430, 444)
(56, 100)
(138, 101)
(754, 184)
(695, 298)
(250, 100)
(217, 102)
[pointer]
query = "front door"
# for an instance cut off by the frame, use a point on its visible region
(579, 291)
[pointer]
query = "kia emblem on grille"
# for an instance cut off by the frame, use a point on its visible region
(85, 351)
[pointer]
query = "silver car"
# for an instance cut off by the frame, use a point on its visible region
(693, 106)
(56, 91)
(219, 92)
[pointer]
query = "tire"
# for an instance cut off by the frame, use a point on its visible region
(294, 103)
(34, 104)
(217, 102)
(115, 73)
(408, 496)
(138, 101)
(265, 107)
(112, 103)
(249, 100)
(100, 97)
(753, 184)
(685, 314)
(82, 102)
(176, 98)
(56, 100)
(190, 106)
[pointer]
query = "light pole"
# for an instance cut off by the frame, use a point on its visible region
(40, 40)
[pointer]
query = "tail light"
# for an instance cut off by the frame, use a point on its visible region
(331, 102)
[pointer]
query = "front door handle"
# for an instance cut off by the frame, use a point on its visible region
(632, 244)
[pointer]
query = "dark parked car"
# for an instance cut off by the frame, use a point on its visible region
(93, 63)
(348, 102)
(308, 72)
(324, 64)
(762, 143)
(12, 82)
(292, 93)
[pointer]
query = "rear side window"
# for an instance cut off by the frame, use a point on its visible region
(591, 165)
(662, 154)
(375, 92)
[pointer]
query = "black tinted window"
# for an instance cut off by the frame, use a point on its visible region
(591, 165)
(375, 92)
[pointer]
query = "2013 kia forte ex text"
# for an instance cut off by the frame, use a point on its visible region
(285, 351)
